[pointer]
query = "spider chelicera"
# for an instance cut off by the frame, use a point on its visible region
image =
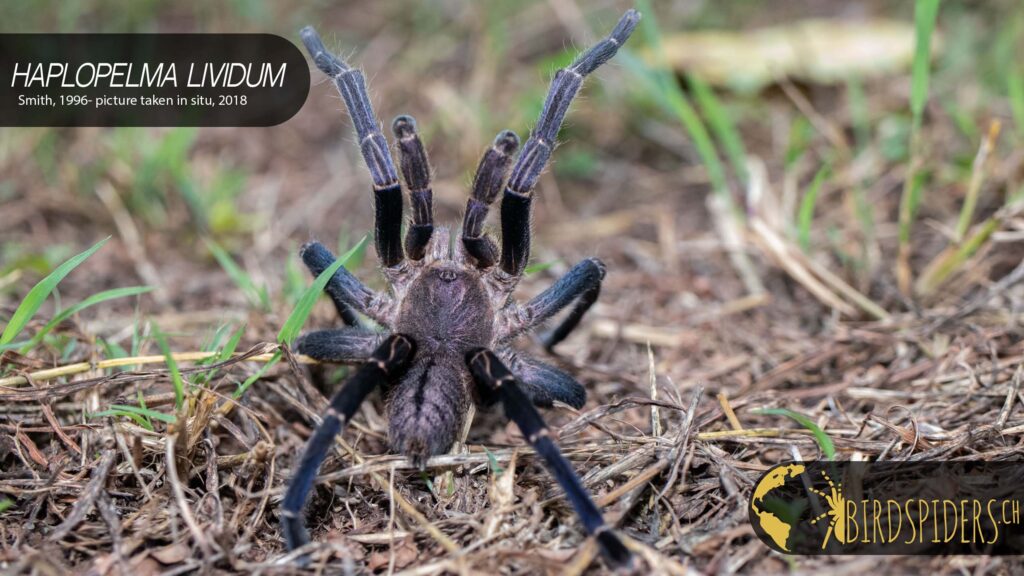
(449, 315)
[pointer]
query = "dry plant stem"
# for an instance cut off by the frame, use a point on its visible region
(132, 240)
(110, 517)
(978, 168)
(407, 507)
(81, 367)
(89, 497)
(678, 452)
(126, 453)
(55, 425)
(777, 249)
(1011, 398)
(818, 280)
(653, 382)
(723, 400)
(171, 470)
(956, 255)
(1004, 283)
(728, 228)
(826, 127)
(580, 452)
(904, 276)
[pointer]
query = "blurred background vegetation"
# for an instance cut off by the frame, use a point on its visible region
(708, 89)
(752, 173)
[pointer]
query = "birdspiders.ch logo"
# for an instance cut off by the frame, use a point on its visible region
(925, 508)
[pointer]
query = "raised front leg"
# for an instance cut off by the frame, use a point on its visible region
(416, 171)
(487, 183)
(385, 366)
(387, 191)
(496, 381)
(515, 204)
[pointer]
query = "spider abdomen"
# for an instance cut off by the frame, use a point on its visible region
(427, 409)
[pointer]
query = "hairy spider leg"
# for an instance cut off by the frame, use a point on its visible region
(412, 159)
(487, 183)
(386, 365)
(344, 345)
(544, 383)
(346, 291)
(582, 284)
(387, 191)
(515, 203)
(496, 381)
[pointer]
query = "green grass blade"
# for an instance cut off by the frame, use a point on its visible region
(293, 325)
(495, 467)
(41, 291)
(1015, 87)
(231, 346)
(807, 204)
(354, 256)
(978, 167)
(859, 112)
(257, 296)
(90, 301)
(213, 341)
(722, 126)
(294, 280)
(113, 349)
(142, 422)
(926, 13)
(539, 267)
(223, 355)
(147, 412)
(176, 379)
(827, 447)
(142, 404)
(660, 82)
(140, 415)
(259, 374)
(909, 202)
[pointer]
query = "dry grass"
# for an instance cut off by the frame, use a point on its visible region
(676, 356)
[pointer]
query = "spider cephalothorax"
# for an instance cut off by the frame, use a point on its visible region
(449, 316)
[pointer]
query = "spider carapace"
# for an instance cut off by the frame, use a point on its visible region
(449, 318)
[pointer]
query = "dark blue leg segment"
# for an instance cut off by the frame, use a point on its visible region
(490, 177)
(386, 365)
(346, 291)
(583, 284)
(347, 315)
(544, 383)
(494, 378)
(344, 346)
(416, 172)
(387, 192)
(515, 205)
(515, 231)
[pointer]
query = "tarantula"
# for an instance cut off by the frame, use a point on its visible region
(450, 314)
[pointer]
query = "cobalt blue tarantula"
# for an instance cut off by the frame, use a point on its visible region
(449, 315)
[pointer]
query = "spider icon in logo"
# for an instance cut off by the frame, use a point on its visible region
(836, 511)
